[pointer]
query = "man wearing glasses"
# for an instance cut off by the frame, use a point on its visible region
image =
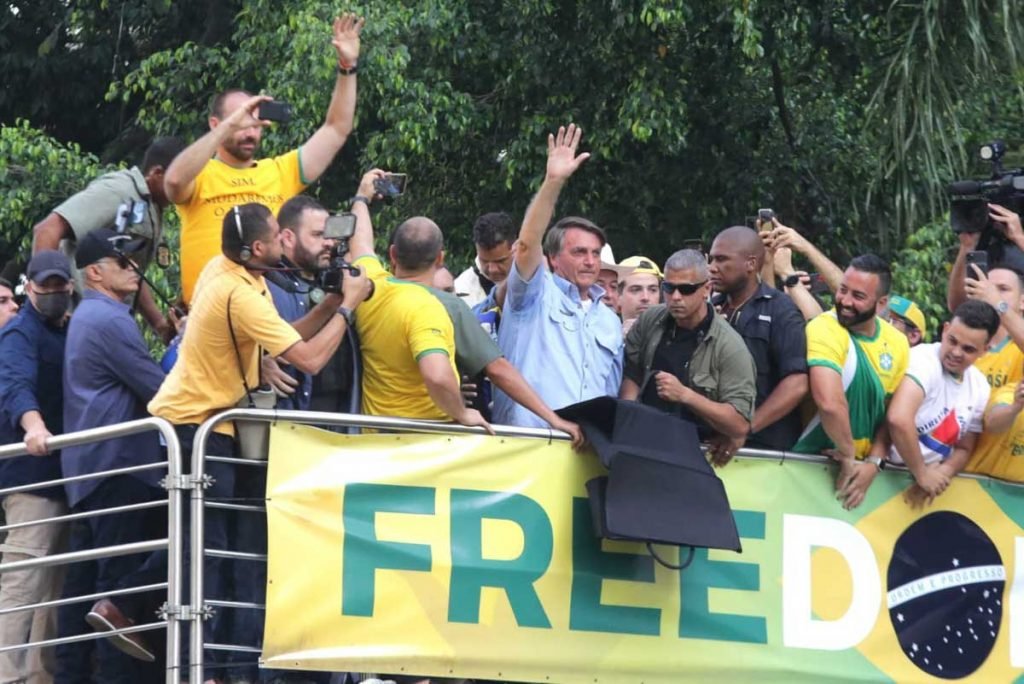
(907, 317)
(685, 360)
(109, 377)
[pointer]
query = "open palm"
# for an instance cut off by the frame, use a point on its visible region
(346, 38)
(562, 159)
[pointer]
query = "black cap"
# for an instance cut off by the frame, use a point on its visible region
(103, 243)
(48, 262)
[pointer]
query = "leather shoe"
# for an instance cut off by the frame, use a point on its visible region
(107, 617)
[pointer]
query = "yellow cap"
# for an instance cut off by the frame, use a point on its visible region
(641, 264)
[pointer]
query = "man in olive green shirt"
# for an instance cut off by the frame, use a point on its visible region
(684, 359)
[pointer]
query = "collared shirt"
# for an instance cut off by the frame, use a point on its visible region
(773, 329)
(568, 353)
(207, 378)
(291, 299)
(472, 287)
(109, 377)
(720, 368)
(31, 357)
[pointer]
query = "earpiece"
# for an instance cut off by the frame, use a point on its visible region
(245, 252)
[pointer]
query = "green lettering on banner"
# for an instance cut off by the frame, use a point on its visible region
(696, 621)
(590, 567)
(363, 553)
(471, 572)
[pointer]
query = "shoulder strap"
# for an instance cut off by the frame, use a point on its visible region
(238, 354)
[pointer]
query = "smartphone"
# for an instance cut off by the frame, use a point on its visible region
(391, 185)
(977, 258)
(275, 111)
(340, 226)
(818, 285)
(764, 220)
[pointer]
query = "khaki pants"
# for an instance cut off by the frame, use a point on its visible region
(26, 587)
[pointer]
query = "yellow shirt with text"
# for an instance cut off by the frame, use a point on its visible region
(207, 378)
(397, 326)
(218, 187)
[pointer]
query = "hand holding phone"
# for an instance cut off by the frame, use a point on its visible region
(391, 185)
(280, 112)
(977, 258)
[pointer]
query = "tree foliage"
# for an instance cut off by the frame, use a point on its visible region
(846, 116)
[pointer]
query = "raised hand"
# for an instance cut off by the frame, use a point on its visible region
(562, 159)
(347, 28)
(366, 185)
(784, 236)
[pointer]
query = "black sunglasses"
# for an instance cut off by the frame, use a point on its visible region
(682, 288)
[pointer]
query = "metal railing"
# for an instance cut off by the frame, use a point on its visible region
(172, 543)
(200, 502)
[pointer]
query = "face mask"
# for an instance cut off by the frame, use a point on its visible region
(53, 305)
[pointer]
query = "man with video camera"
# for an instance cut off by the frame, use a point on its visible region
(232, 319)
(220, 170)
(307, 248)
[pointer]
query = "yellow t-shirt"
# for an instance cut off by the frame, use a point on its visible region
(1000, 455)
(218, 187)
(1002, 365)
(887, 353)
(397, 326)
(206, 378)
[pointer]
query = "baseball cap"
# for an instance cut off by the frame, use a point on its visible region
(46, 263)
(642, 265)
(608, 262)
(904, 308)
(102, 243)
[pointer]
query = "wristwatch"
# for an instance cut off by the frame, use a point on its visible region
(359, 198)
(791, 281)
(347, 314)
(1002, 308)
(347, 70)
(876, 461)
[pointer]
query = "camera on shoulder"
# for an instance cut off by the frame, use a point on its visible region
(969, 200)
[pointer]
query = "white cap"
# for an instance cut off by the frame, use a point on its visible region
(608, 262)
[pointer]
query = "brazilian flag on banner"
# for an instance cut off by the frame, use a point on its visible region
(474, 556)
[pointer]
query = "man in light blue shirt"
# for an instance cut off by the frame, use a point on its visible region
(555, 329)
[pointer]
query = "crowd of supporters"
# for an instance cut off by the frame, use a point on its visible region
(734, 338)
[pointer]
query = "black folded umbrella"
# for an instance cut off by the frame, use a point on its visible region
(659, 487)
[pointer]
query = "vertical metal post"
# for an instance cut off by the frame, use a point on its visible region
(195, 659)
(174, 549)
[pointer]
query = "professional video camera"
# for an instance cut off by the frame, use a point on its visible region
(969, 212)
(340, 228)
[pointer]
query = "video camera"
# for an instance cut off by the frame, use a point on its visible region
(969, 211)
(340, 228)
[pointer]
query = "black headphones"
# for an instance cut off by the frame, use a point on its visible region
(245, 251)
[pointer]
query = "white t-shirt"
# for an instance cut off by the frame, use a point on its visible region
(951, 407)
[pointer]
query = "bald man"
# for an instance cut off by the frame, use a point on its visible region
(773, 329)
